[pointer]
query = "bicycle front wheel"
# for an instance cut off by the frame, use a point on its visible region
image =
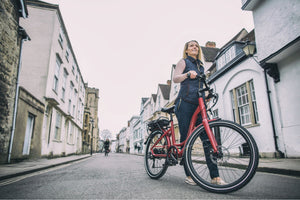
(156, 166)
(235, 163)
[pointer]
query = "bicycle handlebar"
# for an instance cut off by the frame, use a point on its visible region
(211, 93)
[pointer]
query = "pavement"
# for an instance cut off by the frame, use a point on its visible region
(283, 166)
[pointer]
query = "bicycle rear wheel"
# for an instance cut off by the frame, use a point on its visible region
(235, 165)
(156, 166)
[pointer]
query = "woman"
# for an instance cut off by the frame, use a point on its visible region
(187, 101)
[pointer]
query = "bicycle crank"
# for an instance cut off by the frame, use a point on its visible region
(172, 156)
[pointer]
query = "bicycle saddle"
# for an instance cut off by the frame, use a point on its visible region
(168, 110)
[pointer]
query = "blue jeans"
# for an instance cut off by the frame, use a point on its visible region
(184, 112)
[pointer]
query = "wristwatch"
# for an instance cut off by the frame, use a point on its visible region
(188, 74)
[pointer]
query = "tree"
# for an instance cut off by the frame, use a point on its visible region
(106, 134)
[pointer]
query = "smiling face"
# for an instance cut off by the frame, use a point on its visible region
(192, 49)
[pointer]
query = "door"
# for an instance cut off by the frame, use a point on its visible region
(28, 134)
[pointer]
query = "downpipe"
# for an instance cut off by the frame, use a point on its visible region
(281, 154)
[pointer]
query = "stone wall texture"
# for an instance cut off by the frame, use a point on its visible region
(9, 61)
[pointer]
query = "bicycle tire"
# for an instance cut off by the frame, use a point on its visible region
(156, 167)
(237, 165)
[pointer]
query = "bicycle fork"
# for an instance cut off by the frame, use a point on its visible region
(202, 110)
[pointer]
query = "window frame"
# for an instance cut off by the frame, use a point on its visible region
(58, 64)
(243, 99)
(226, 57)
(61, 38)
(57, 130)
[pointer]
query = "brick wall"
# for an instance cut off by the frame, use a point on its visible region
(9, 60)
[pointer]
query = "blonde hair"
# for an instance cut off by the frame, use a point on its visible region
(199, 56)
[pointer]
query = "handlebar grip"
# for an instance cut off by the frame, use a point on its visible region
(201, 76)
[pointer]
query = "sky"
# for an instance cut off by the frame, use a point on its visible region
(125, 48)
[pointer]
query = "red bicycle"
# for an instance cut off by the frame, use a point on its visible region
(229, 146)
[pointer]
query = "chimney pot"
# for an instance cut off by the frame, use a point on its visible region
(210, 44)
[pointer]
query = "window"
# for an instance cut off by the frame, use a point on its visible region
(243, 104)
(67, 127)
(64, 84)
(244, 107)
(74, 102)
(71, 134)
(70, 97)
(159, 102)
(69, 106)
(57, 126)
(60, 38)
(226, 57)
(82, 107)
(71, 89)
(79, 109)
(56, 74)
(73, 112)
(68, 53)
(254, 101)
(80, 86)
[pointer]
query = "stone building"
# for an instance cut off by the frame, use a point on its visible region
(90, 134)
(11, 40)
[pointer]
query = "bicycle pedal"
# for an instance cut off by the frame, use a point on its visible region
(172, 162)
(181, 162)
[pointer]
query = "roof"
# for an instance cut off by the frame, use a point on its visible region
(209, 53)
(237, 37)
(241, 36)
(165, 90)
(144, 99)
(249, 37)
(41, 4)
(154, 97)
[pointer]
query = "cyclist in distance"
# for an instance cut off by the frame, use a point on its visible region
(106, 147)
(187, 101)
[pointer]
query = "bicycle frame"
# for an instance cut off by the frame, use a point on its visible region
(170, 133)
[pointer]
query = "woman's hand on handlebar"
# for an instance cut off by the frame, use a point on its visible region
(193, 74)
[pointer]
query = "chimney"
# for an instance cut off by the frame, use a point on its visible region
(210, 44)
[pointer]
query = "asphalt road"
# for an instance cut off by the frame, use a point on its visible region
(122, 176)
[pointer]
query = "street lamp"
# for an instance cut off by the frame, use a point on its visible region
(92, 122)
(270, 68)
(249, 48)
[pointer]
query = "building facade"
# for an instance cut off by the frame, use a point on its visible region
(90, 134)
(51, 74)
(278, 48)
(123, 140)
(131, 127)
